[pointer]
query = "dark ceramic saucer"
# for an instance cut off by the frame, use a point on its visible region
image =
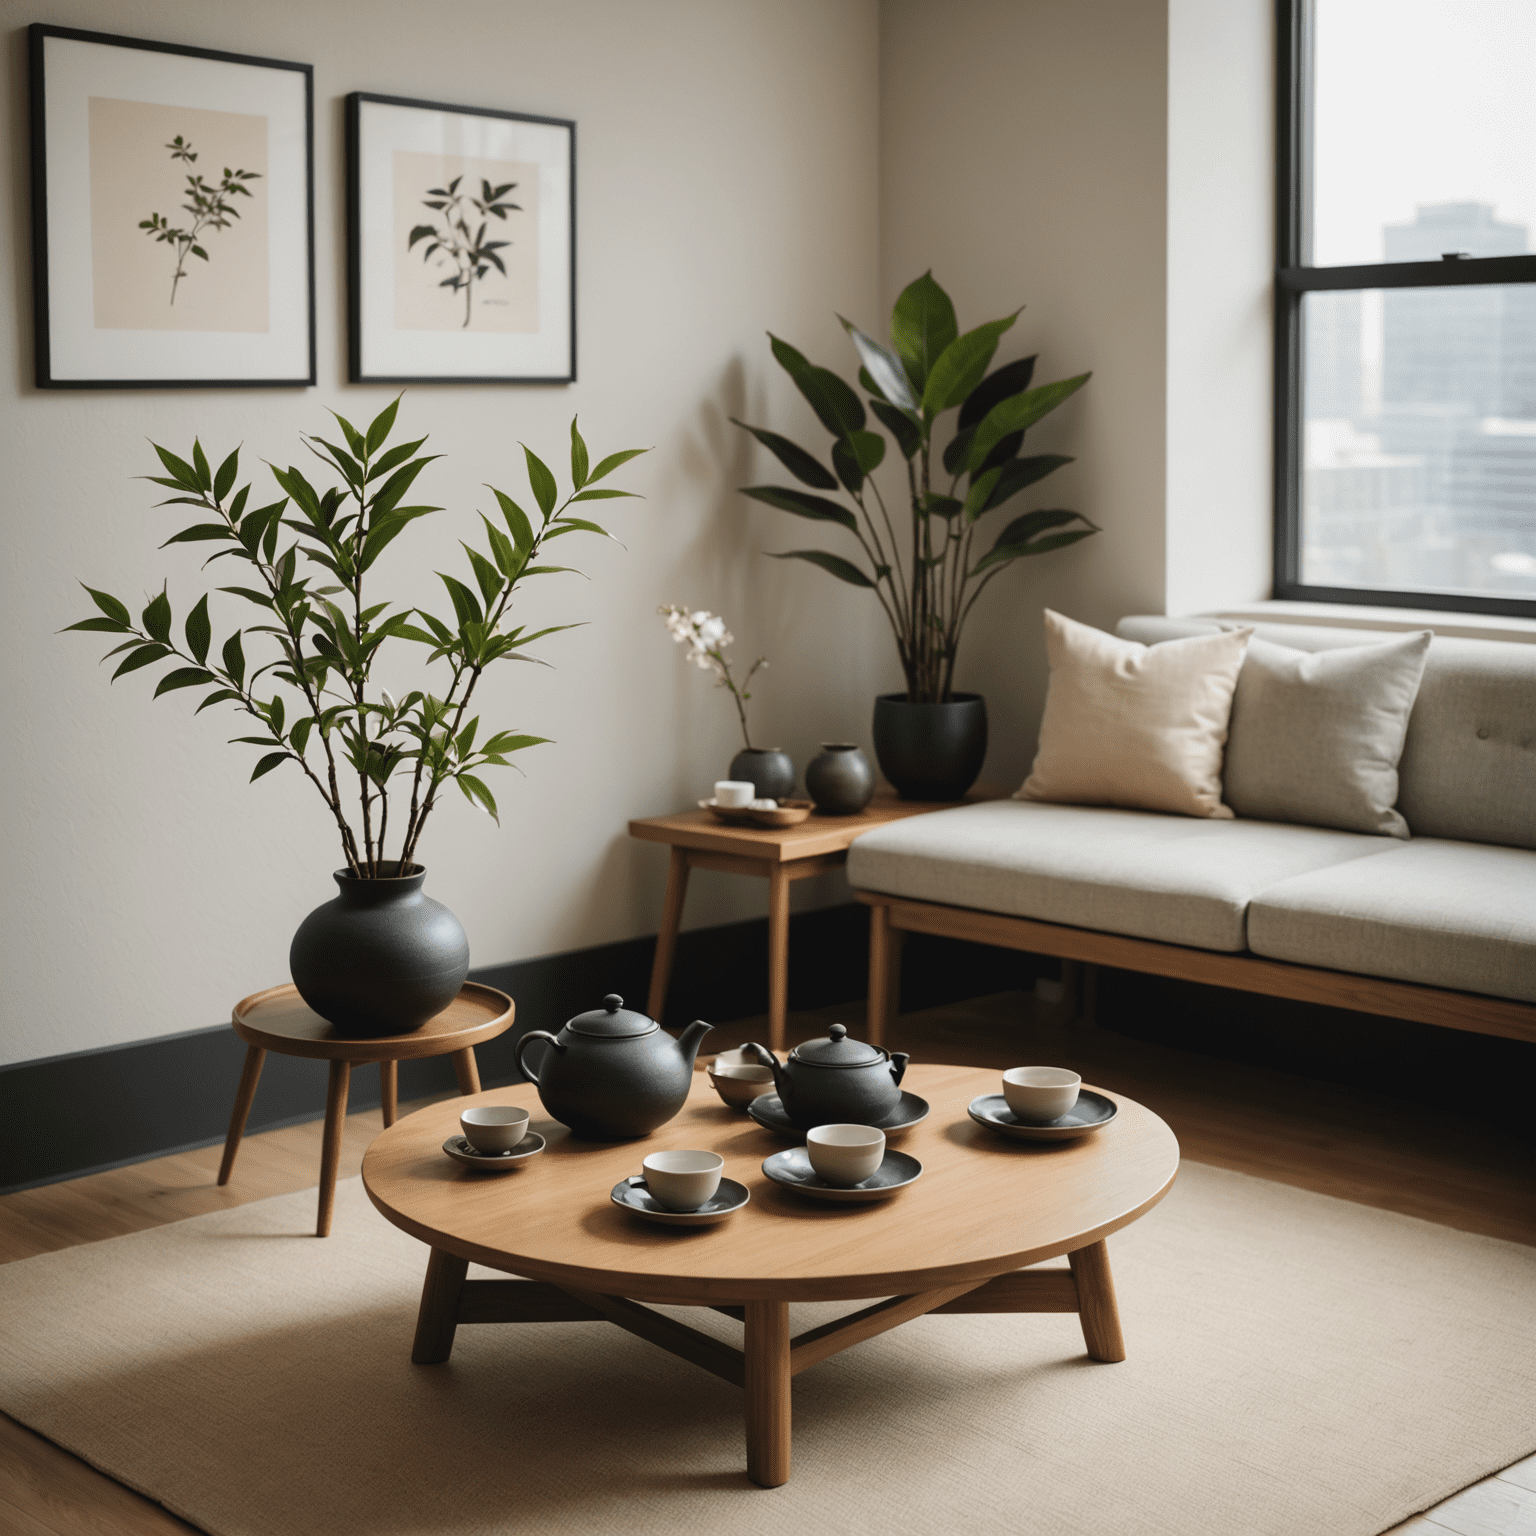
(632, 1195)
(459, 1149)
(792, 1168)
(768, 1110)
(1092, 1112)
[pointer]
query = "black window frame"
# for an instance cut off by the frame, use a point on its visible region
(1293, 279)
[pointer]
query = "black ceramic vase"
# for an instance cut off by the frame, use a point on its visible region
(770, 770)
(839, 779)
(931, 751)
(382, 958)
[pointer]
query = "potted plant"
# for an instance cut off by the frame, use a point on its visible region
(381, 958)
(930, 740)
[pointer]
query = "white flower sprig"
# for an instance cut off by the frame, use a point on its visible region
(706, 637)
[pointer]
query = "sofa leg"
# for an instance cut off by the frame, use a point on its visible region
(884, 974)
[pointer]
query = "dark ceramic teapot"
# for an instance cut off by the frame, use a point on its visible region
(613, 1073)
(836, 1080)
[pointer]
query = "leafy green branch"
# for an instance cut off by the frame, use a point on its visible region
(471, 253)
(211, 207)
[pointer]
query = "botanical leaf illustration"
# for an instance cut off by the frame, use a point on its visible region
(210, 206)
(470, 253)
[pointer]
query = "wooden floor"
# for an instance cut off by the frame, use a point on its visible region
(1467, 1174)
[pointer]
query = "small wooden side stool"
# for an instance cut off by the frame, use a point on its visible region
(279, 1020)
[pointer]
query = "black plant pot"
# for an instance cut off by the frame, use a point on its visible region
(931, 751)
(382, 958)
(770, 770)
(839, 779)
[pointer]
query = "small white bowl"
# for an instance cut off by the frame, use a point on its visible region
(494, 1127)
(683, 1181)
(1040, 1093)
(845, 1155)
(738, 1086)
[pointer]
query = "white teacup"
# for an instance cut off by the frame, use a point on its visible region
(734, 793)
(845, 1155)
(683, 1181)
(1040, 1093)
(494, 1127)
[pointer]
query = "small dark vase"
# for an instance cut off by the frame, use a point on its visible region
(380, 959)
(770, 770)
(839, 779)
(931, 751)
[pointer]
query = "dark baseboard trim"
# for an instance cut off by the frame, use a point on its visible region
(65, 1116)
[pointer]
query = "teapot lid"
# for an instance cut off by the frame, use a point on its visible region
(613, 1021)
(837, 1050)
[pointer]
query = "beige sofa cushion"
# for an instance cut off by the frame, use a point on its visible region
(1445, 914)
(1316, 735)
(1177, 879)
(1132, 725)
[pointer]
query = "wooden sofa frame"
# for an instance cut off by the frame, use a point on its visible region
(1081, 948)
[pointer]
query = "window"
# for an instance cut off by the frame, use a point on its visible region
(1405, 304)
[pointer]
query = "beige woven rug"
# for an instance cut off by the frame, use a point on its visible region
(1297, 1364)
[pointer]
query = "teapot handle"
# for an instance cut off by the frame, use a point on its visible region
(899, 1060)
(525, 1042)
(764, 1055)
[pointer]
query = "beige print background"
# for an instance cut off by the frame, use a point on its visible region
(509, 303)
(132, 176)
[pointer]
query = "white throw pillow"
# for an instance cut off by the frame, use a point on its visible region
(1135, 725)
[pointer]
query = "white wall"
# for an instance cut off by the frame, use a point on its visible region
(727, 183)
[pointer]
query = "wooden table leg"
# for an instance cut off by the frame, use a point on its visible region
(330, 1156)
(767, 1382)
(884, 975)
(666, 939)
(250, 1075)
(466, 1071)
(778, 954)
(1097, 1311)
(389, 1091)
(437, 1318)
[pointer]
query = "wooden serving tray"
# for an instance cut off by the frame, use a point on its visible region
(789, 814)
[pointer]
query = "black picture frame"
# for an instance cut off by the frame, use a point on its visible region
(390, 281)
(66, 65)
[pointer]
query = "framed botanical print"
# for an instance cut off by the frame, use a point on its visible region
(462, 229)
(172, 215)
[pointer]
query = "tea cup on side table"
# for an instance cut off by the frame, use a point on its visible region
(493, 1128)
(1040, 1093)
(845, 1155)
(683, 1181)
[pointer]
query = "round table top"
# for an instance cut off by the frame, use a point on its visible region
(279, 1020)
(984, 1205)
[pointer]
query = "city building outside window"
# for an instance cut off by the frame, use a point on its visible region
(1406, 304)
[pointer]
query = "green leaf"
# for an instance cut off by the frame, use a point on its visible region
(612, 462)
(961, 366)
(200, 467)
(217, 697)
(391, 460)
(184, 677)
(259, 598)
(99, 624)
(298, 737)
(883, 368)
(835, 404)
(108, 604)
(1010, 379)
(464, 604)
(579, 461)
(602, 493)
(802, 503)
(1003, 553)
(578, 524)
(486, 575)
(922, 326)
(275, 714)
(1024, 472)
(844, 570)
(199, 532)
(503, 550)
(517, 521)
(908, 434)
(380, 427)
(942, 506)
(156, 618)
(958, 450)
(234, 658)
(981, 488)
(474, 791)
(1018, 413)
(849, 461)
(181, 472)
(198, 632)
(510, 741)
(142, 657)
(1022, 529)
(386, 530)
(803, 466)
(353, 436)
(545, 492)
(226, 475)
(268, 763)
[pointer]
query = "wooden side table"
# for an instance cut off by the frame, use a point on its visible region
(779, 855)
(279, 1020)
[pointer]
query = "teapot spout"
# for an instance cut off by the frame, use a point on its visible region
(688, 1041)
(766, 1058)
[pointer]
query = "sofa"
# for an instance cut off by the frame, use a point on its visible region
(1437, 927)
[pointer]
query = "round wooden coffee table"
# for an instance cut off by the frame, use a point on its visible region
(279, 1020)
(953, 1242)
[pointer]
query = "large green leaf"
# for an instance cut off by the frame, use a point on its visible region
(802, 503)
(380, 427)
(1022, 529)
(475, 791)
(99, 624)
(268, 763)
(922, 325)
(908, 435)
(1001, 554)
(805, 467)
(1021, 473)
(225, 479)
(182, 472)
(1010, 379)
(184, 677)
(612, 462)
(1019, 412)
(835, 404)
(855, 456)
(198, 532)
(960, 367)
(198, 632)
(156, 618)
(981, 489)
(844, 570)
(579, 459)
(142, 657)
(234, 658)
(516, 519)
(545, 491)
(883, 368)
(108, 604)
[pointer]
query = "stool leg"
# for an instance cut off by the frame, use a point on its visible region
(884, 974)
(438, 1317)
(778, 954)
(768, 1400)
(1097, 1310)
(330, 1155)
(666, 939)
(389, 1091)
(250, 1075)
(466, 1071)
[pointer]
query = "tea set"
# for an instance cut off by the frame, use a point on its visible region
(613, 1075)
